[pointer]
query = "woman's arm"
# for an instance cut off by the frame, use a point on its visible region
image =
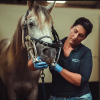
(31, 65)
(82, 77)
(71, 77)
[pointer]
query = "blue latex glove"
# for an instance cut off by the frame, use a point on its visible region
(58, 68)
(40, 65)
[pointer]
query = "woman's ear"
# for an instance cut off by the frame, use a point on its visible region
(71, 27)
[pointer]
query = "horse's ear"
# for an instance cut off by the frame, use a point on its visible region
(50, 6)
(30, 4)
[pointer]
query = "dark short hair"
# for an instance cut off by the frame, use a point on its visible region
(87, 25)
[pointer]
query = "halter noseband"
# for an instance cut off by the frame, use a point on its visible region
(56, 43)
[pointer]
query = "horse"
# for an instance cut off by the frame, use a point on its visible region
(20, 81)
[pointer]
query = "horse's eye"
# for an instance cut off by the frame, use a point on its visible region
(31, 25)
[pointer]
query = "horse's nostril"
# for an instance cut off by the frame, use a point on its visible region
(46, 51)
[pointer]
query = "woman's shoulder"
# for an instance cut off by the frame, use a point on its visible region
(85, 48)
(85, 51)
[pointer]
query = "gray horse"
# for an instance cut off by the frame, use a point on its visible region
(14, 72)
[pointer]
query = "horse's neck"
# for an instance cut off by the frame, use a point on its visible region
(16, 45)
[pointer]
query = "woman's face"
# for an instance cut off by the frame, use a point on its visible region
(77, 34)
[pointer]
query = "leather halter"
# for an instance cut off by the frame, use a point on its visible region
(56, 43)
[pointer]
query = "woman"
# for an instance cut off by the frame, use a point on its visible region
(71, 74)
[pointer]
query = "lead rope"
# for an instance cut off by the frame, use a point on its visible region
(43, 84)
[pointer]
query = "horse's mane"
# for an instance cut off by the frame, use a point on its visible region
(38, 8)
(17, 38)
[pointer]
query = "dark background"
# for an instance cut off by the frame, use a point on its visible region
(94, 87)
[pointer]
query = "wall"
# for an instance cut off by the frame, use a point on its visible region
(63, 19)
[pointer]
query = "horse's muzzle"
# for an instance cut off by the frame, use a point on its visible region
(47, 54)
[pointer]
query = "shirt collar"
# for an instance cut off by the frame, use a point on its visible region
(76, 48)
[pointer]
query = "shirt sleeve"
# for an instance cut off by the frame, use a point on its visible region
(85, 67)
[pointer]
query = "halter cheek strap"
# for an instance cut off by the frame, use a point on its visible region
(55, 35)
(25, 25)
(24, 31)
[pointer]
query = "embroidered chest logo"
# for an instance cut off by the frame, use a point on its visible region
(75, 60)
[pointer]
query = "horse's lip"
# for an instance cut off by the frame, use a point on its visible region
(44, 56)
(47, 59)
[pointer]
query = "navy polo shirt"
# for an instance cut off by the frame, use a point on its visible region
(79, 61)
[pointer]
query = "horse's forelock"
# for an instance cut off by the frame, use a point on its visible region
(37, 9)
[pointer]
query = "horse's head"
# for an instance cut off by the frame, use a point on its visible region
(39, 25)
